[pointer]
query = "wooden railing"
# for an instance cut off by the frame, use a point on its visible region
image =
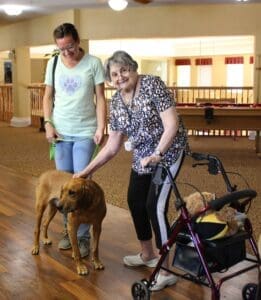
(6, 102)
(236, 95)
(36, 99)
(190, 95)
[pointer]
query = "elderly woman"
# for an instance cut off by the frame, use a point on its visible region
(143, 110)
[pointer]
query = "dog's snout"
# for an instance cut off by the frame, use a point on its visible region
(62, 207)
(58, 204)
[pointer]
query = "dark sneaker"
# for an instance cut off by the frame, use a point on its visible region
(65, 242)
(84, 247)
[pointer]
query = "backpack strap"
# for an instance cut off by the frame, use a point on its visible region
(53, 74)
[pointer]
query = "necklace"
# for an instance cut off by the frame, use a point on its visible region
(130, 96)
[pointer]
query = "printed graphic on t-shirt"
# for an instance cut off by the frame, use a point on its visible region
(70, 84)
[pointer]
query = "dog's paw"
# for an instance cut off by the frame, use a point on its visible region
(98, 265)
(47, 241)
(35, 250)
(82, 269)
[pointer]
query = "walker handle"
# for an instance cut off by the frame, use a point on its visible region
(232, 197)
(200, 156)
(215, 167)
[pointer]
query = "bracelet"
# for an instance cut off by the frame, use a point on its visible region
(158, 153)
(48, 121)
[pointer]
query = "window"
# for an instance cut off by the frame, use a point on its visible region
(183, 76)
(235, 75)
(204, 75)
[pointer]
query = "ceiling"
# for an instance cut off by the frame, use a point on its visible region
(36, 8)
(201, 46)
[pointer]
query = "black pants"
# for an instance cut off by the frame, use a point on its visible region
(148, 203)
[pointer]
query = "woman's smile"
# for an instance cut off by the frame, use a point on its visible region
(122, 77)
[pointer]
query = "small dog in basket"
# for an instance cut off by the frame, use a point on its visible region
(83, 200)
(212, 224)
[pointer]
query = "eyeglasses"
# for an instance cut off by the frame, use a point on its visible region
(69, 48)
(122, 72)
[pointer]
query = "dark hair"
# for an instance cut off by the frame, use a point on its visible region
(121, 58)
(66, 29)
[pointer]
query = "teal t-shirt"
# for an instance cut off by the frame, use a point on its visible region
(74, 112)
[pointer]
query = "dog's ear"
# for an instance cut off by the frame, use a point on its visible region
(85, 185)
(61, 193)
(87, 192)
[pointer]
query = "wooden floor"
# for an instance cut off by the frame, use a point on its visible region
(51, 275)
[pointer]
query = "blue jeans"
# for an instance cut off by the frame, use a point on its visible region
(73, 154)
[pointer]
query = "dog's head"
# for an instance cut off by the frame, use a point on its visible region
(197, 201)
(75, 194)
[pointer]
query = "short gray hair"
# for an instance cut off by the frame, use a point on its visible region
(121, 58)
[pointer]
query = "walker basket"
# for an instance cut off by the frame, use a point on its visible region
(220, 254)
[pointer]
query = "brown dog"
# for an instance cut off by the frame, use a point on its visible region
(82, 199)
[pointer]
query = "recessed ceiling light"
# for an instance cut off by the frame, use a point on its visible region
(12, 9)
(118, 4)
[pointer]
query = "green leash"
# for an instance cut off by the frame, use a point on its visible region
(96, 151)
(52, 151)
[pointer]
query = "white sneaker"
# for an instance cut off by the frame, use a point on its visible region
(163, 281)
(136, 261)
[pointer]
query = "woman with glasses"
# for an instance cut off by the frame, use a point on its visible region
(143, 110)
(75, 119)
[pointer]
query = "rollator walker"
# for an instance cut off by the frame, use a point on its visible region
(197, 258)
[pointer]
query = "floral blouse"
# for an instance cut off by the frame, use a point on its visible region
(141, 122)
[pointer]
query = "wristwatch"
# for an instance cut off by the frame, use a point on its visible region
(46, 121)
(158, 153)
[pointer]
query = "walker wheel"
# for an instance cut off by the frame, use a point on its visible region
(140, 290)
(249, 291)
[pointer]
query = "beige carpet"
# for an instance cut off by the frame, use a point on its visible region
(26, 150)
